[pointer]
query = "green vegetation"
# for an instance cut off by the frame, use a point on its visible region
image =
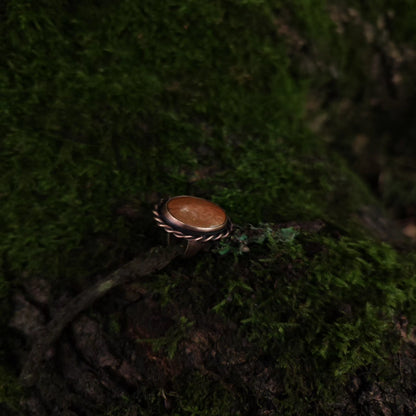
(107, 106)
(169, 342)
(319, 308)
(10, 390)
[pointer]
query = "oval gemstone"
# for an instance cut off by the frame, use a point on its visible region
(196, 212)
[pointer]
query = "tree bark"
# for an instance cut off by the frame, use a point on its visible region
(156, 259)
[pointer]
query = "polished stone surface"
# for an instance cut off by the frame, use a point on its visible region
(196, 212)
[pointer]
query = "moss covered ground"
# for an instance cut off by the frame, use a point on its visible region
(260, 106)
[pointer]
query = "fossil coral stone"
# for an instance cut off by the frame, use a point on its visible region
(197, 212)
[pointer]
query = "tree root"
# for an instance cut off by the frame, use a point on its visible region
(156, 259)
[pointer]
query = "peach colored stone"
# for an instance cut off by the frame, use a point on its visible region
(196, 212)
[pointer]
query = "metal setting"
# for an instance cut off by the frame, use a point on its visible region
(194, 235)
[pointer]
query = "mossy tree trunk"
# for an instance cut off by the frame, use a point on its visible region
(295, 118)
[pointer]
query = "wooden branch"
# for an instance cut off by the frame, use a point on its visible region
(156, 259)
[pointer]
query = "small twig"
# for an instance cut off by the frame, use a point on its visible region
(156, 259)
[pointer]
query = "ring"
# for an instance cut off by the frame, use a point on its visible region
(194, 219)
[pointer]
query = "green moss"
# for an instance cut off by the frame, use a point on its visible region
(316, 308)
(107, 105)
(202, 395)
(103, 109)
(197, 394)
(288, 183)
(10, 392)
(168, 344)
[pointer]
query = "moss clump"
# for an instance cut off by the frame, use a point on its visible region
(10, 392)
(201, 395)
(315, 308)
(196, 394)
(106, 105)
